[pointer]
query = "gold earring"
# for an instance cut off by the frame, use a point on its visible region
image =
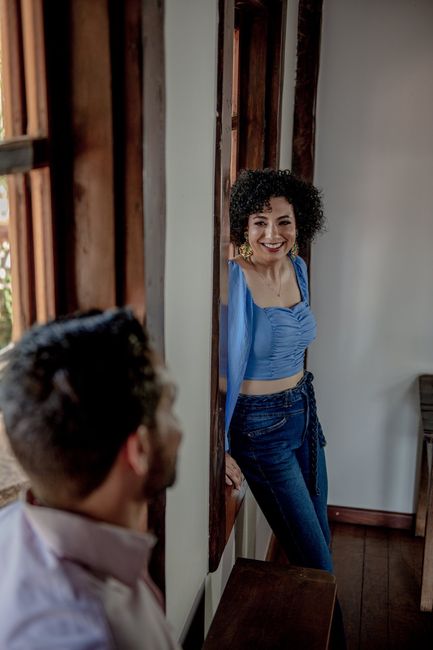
(245, 249)
(294, 251)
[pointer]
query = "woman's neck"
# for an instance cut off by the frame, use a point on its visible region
(272, 270)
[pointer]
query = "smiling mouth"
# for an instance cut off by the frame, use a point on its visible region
(273, 247)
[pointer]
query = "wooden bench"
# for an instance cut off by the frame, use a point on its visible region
(267, 606)
(424, 513)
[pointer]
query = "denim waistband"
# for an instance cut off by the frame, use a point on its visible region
(303, 390)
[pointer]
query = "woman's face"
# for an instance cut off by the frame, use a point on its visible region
(272, 233)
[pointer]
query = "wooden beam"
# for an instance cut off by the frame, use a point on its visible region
(93, 182)
(37, 126)
(217, 505)
(133, 291)
(307, 73)
(14, 115)
(274, 82)
(59, 46)
(154, 210)
(21, 154)
(34, 64)
(253, 86)
(154, 167)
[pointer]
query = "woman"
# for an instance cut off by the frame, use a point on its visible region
(274, 436)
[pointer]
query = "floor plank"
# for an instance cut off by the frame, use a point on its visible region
(379, 582)
(348, 552)
(375, 592)
(408, 626)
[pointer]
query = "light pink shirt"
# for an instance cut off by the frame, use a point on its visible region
(72, 583)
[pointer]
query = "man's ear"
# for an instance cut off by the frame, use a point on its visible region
(137, 448)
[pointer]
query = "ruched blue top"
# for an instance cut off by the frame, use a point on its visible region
(280, 336)
(263, 342)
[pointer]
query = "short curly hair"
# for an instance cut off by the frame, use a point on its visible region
(73, 391)
(253, 190)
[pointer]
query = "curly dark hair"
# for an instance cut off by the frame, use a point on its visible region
(73, 391)
(255, 187)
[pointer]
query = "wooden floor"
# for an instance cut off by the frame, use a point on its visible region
(378, 576)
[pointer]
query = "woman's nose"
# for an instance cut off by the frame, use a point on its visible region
(271, 229)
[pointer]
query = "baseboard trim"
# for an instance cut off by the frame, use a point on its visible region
(363, 517)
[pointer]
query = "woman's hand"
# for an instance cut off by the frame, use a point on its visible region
(233, 473)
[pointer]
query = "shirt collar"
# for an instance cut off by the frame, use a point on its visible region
(104, 548)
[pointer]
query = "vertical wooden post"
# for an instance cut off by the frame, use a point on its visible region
(217, 510)
(307, 74)
(37, 125)
(93, 178)
(154, 167)
(154, 208)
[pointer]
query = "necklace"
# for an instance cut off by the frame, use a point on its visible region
(268, 284)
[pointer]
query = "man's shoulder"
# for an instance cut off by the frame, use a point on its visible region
(61, 603)
(42, 596)
(10, 523)
(56, 627)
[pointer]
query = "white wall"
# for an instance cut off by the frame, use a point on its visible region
(191, 57)
(372, 271)
(191, 65)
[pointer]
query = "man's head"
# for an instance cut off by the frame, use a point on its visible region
(76, 392)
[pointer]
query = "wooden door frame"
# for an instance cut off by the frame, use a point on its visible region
(224, 502)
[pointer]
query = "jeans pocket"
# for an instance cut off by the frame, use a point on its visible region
(258, 422)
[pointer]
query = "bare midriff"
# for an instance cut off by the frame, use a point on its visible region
(268, 386)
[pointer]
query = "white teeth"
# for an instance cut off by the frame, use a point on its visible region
(273, 245)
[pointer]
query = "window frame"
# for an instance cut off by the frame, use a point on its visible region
(24, 158)
(103, 136)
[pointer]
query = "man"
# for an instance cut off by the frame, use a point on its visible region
(88, 412)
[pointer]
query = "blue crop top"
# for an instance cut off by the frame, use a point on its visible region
(276, 344)
(280, 336)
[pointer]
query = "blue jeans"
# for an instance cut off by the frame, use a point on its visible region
(278, 443)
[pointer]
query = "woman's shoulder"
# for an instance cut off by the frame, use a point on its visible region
(237, 274)
(237, 261)
(237, 265)
(301, 267)
(300, 263)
